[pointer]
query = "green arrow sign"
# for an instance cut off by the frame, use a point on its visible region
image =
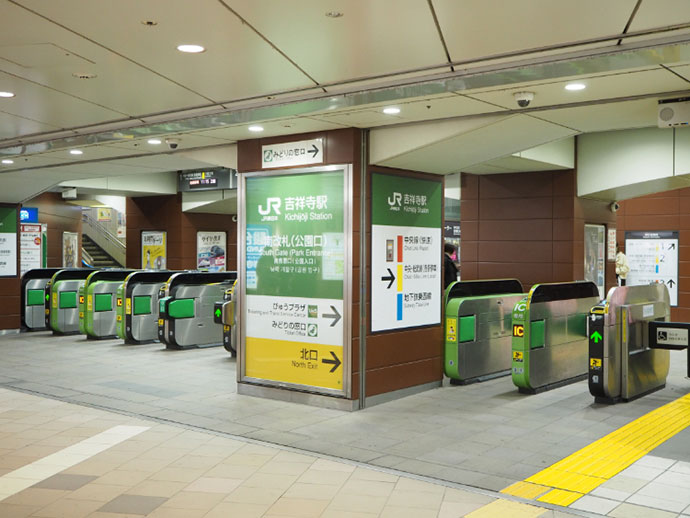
(596, 337)
(218, 312)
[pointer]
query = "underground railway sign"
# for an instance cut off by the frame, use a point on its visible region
(295, 273)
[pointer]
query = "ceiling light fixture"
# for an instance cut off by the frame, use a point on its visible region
(154, 141)
(76, 152)
(191, 49)
(255, 129)
(84, 75)
(334, 14)
(8, 161)
(391, 110)
(6, 94)
(575, 86)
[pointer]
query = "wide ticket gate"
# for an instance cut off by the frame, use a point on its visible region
(224, 313)
(478, 328)
(33, 301)
(62, 300)
(137, 306)
(629, 340)
(186, 306)
(549, 342)
(98, 310)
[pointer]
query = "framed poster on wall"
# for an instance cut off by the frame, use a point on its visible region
(653, 258)
(8, 242)
(31, 247)
(211, 249)
(154, 249)
(70, 250)
(595, 259)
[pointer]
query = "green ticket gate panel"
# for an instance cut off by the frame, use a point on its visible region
(100, 315)
(224, 313)
(624, 361)
(138, 309)
(549, 343)
(186, 309)
(33, 302)
(478, 328)
(63, 301)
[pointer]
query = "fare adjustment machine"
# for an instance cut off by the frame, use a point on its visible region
(629, 341)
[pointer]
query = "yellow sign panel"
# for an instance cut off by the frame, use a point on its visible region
(89, 302)
(160, 321)
(226, 328)
(55, 300)
(518, 356)
(81, 299)
(301, 363)
(451, 329)
(595, 363)
(128, 306)
(81, 314)
(518, 330)
(119, 318)
(119, 302)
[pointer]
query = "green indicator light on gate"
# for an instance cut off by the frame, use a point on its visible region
(218, 313)
(596, 337)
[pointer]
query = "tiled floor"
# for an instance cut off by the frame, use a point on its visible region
(132, 468)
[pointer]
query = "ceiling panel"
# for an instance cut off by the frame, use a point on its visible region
(185, 141)
(656, 80)
(172, 162)
(236, 64)
(12, 126)
(604, 117)
(660, 13)
(272, 128)
(683, 70)
(20, 186)
(476, 28)
(370, 38)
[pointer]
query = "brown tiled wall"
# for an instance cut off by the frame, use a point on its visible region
(526, 225)
(668, 210)
(165, 213)
(406, 358)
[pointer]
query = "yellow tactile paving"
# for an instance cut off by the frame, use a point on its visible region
(504, 508)
(560, 497)
(525, 490)
(588, 468)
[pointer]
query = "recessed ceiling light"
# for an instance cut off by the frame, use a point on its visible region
(334, 14)
(255, 129)
(391, 110)
(79, 75)
(6, 94)
(575, 86)
(154, 141)
(149, 23)
(191, 49)
(76, 152)
(8, 161)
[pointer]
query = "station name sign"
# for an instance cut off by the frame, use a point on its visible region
(207, 179)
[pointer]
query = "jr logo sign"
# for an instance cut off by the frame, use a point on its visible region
(395, 201)
(272, 205)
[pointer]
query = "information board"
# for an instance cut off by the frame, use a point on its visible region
(31, 247)
(653, 258)
(214, 179)
(211, 251)
(8, 242)
(297, 243)
(406, 252)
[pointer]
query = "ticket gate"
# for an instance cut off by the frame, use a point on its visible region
(629, 340)
(224, 313)
(62, 298)
(185, 308)
(33, 302)
(549, 341)
(478, 328)
(137, 306)
(98, 309)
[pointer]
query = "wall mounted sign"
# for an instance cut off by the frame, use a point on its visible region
(154, 250)
(8, 242)
(31, 247)
(70, 250)
(212, 179)
(296, 237)
(104, 214)
(611, 242)
(595, 269)
(211, 251)
(406, 252)
(28, 215)
(653, 258)
(289, 154)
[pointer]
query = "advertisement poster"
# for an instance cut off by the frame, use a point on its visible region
(653, 258)
(210, 251)
(595, 245)
(296, 243)
(8, 242)
(31, 247)
(153, 250)
(121, 225)
(70, 250)
(104, 214)
(406, 252)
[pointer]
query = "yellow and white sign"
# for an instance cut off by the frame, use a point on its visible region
(153, 250)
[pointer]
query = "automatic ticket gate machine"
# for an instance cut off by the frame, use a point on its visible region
(186, 305)
(549, 341)
(33, 298)
(62, 300)
(137, 306)
(478, 328)
(224, 313)
(629, 340)
(98, 308)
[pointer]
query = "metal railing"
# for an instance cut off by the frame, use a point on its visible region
(86, 258)
(106, 240)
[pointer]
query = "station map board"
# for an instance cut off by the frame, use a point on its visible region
(295, 325)
(406, 252)
(653, 258)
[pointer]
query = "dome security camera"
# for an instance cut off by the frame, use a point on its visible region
(614, 206)
(172, 142)
(523, 98)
